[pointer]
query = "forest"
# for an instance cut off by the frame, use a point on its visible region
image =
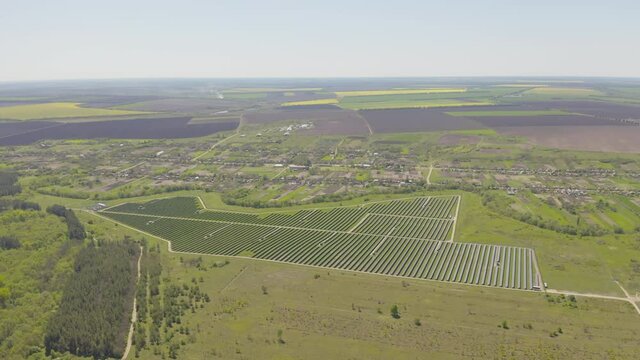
(93, 316)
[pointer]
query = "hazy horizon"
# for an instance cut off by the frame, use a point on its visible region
(77, 40)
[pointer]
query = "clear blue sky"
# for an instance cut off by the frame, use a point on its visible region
(70, 39)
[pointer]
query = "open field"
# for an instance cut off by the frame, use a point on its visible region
(57, 110)
(409, 120)
(600, 109)
(590, 138)
(457, 322)
(400, 238)
(404, 102)
(545, 120)
(513, 113)
(118, 129)
(195, 106)
(311, 102)
(563, 91)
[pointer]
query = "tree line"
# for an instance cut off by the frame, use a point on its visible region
(93, 316)
(75, 228)
(15, 204)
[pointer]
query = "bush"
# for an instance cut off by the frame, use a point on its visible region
(9, 184)
(9, 242)
(18, 205)
(395, 313)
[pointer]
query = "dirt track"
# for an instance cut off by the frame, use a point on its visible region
(134, 314)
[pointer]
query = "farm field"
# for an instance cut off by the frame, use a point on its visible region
(311, 102)
(544, 120)
(26, 133)
(622, 139)
(409, 120)
(57, 110)
(400, 92)
(404, 102)
(510, 113)
(563, 91)
(407, 238)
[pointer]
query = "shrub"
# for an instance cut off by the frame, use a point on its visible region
(395, 313)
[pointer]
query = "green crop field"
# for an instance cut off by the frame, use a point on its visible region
(57, 110)
(407, 238)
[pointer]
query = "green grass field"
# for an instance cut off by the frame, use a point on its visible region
(58, 110)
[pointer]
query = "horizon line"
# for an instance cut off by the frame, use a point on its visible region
(382, 77)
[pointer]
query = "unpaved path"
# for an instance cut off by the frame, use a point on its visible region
(216, 144)
(597, 296)
(632, 299)
(233, 280)
(134, 314)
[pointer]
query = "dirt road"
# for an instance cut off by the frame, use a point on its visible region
(134, 314)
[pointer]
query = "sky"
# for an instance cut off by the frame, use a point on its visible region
(78, 39)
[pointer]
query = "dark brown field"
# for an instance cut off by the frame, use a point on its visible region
(590, 138)
(20, 127)
(167, 128)
(179, 105)
(410, 120)
(109, 101)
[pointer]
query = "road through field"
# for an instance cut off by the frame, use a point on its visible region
(214, 145)
(632, 300)
(628, 299)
